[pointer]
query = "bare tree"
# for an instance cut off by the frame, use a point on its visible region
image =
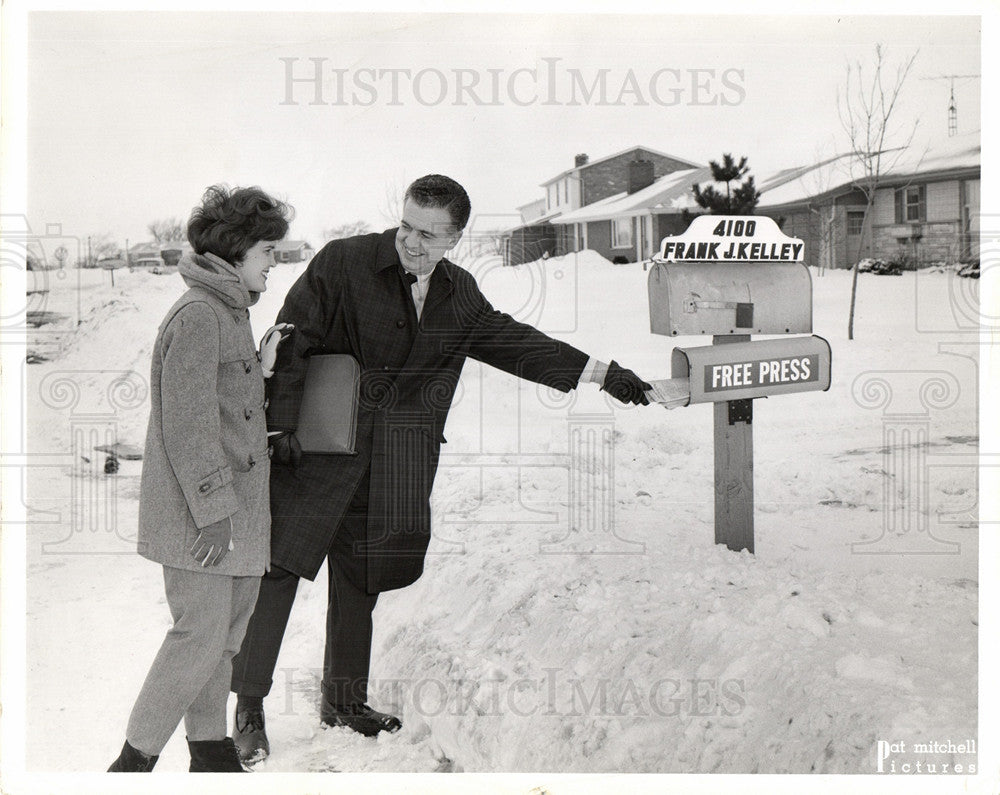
(866, 113)
(100, 246)
(346, 230)
(817, 181)
(167, 230)
(391, 208)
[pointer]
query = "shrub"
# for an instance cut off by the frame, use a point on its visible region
(969, 270)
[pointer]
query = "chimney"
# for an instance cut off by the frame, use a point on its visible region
(640, 175)
(581, 160)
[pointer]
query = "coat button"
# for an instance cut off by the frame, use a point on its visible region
(247, 367)
(247, 414)
(400, 324)
(203, 488)
(251, 462)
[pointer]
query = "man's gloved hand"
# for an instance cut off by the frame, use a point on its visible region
(213, 543)
(285, 448)
(268, 350)
(624, 385)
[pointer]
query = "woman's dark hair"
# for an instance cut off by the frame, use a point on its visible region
(435, 190)
(230, 222)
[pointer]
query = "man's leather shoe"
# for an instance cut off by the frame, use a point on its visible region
(361, 718)
(249, 735)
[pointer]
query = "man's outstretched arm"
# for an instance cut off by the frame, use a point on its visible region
(522, 350)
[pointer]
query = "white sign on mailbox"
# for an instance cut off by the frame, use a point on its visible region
(739, 238)
(743, 370)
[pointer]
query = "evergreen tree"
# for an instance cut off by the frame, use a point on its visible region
(736, 200)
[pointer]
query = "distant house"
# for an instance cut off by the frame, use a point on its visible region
(622, 206)
(628, 226)
(581, 208)
(927, 207)
(153, 254)
(293, 251)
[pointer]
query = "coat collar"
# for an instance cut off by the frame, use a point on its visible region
(218, 277)
(387, 257)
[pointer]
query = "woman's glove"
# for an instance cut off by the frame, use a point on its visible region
(268, 351)
(213, 543)
(285, 449)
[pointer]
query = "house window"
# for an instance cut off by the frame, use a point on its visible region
(621, 232)
(911, 204)
(855, 222)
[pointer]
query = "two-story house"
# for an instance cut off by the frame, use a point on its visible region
(563, 226)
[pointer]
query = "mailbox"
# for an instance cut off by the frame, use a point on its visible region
(726, 275)
(742, 370)
(721, 298)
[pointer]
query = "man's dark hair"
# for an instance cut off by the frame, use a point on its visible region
(435, 190)
(229, 223)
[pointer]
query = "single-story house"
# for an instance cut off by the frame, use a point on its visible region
(155, 254)
(293, 251)
(926, 207)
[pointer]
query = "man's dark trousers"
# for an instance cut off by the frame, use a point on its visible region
(348, 619)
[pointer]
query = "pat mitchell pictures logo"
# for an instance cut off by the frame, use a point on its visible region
(934, 757)
(319, 81)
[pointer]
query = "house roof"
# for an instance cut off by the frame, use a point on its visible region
(833, 175)
(526, 205)
(590, 163)
(152, 248)
(670, 193)
(792, 185)
(290, 245)
(958, 152)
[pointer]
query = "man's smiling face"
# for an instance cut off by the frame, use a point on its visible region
(425, 235)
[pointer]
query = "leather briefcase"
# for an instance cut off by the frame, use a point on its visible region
(328, 416)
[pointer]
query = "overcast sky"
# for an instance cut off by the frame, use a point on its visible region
(132, 115)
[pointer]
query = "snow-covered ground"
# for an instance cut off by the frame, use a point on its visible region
(575, 615)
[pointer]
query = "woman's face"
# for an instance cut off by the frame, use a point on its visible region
(255, 265)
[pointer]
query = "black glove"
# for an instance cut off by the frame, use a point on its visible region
(213, 543)
(285, 449)
(624, 385)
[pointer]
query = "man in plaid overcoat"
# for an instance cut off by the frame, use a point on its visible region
(410, 317)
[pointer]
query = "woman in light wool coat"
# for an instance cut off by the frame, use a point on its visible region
(203, 505)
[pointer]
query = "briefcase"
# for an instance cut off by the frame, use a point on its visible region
(328, 416)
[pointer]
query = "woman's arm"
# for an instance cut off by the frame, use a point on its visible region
(191, 425)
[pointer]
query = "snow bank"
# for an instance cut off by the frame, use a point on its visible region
(575, 614)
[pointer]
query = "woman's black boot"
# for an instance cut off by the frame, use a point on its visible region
(214, 756)
(132, 760)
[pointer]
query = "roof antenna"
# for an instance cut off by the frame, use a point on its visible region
(952, 107)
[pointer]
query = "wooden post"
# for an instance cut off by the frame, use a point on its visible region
(734, 467)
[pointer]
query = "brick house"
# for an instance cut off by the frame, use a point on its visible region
(596, 184)
(926, 208)
(628, 226)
